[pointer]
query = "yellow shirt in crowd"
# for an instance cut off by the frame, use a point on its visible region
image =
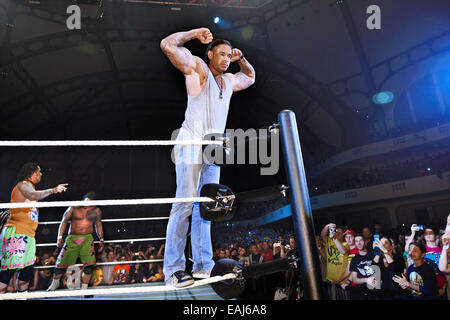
(336, 261)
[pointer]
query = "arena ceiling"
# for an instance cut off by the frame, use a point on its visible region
(110, 80)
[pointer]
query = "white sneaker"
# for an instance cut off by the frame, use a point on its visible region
(180, 279)
(201, 274)
(54, 285)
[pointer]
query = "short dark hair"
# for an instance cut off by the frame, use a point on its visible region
(359, 235)
(430, 228)
(27, 171)
(421, 246)
(91, 195)
(214, 44)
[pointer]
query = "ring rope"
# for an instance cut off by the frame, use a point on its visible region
(141, 289)
(112, 220)
(106, 143)
(87, 203)
(107, 241)
(105, 263)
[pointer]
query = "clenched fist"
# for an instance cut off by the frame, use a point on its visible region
(204, 35)
(236, 55)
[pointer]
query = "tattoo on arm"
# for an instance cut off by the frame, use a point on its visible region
(98, 224)
(181, 58)
(66, 218)
(31, 194)
(245, 77)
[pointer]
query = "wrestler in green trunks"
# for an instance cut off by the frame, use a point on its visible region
(77, 246)
(79, 242)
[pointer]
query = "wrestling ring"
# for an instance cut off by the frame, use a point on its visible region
(228, 277)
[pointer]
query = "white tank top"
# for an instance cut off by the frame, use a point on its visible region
(207, 112)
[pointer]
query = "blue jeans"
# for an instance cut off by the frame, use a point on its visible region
(190, 177)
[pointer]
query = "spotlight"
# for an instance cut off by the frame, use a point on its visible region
(216, 20)
(383, 97)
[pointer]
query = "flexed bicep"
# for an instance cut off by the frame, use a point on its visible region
(181, 57)
(245, 77)
(241, 81)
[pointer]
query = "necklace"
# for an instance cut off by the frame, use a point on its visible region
(220, 87)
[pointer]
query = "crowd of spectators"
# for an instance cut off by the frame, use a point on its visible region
(364, 264)
(360, 178)
(373, 265)
(250, 245)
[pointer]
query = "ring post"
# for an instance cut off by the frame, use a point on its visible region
(300, 206)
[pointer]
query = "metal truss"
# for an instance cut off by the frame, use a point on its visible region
(395, 64)
(91, 85)
(102, 37)
(246, 4)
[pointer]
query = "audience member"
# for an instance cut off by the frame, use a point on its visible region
(107, 269)
(159, 276)
(422, 278)
(121, 271)
(368, 237)
(137, 272)
(390, 265)
(97, 277)
(242, 257)
(255, 255)
(362, 273)
(337, 253)
(266, 252)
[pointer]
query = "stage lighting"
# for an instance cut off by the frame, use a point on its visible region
(216, 20)
(383, 97)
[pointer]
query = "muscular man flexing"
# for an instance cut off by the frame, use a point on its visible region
(209, 88)
(17, 239)
(79, 242)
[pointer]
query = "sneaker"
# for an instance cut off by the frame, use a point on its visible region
(54, 285)
(201, 274)
(180, 279)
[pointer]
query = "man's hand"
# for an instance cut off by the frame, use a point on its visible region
(204, 35)
(60, 243)
(101, 246)
(344, 285)
(414, 228)
(236, 55)
(402, 281)
(446, 238)
(332, 235)
(60, 188)
(371, 282)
